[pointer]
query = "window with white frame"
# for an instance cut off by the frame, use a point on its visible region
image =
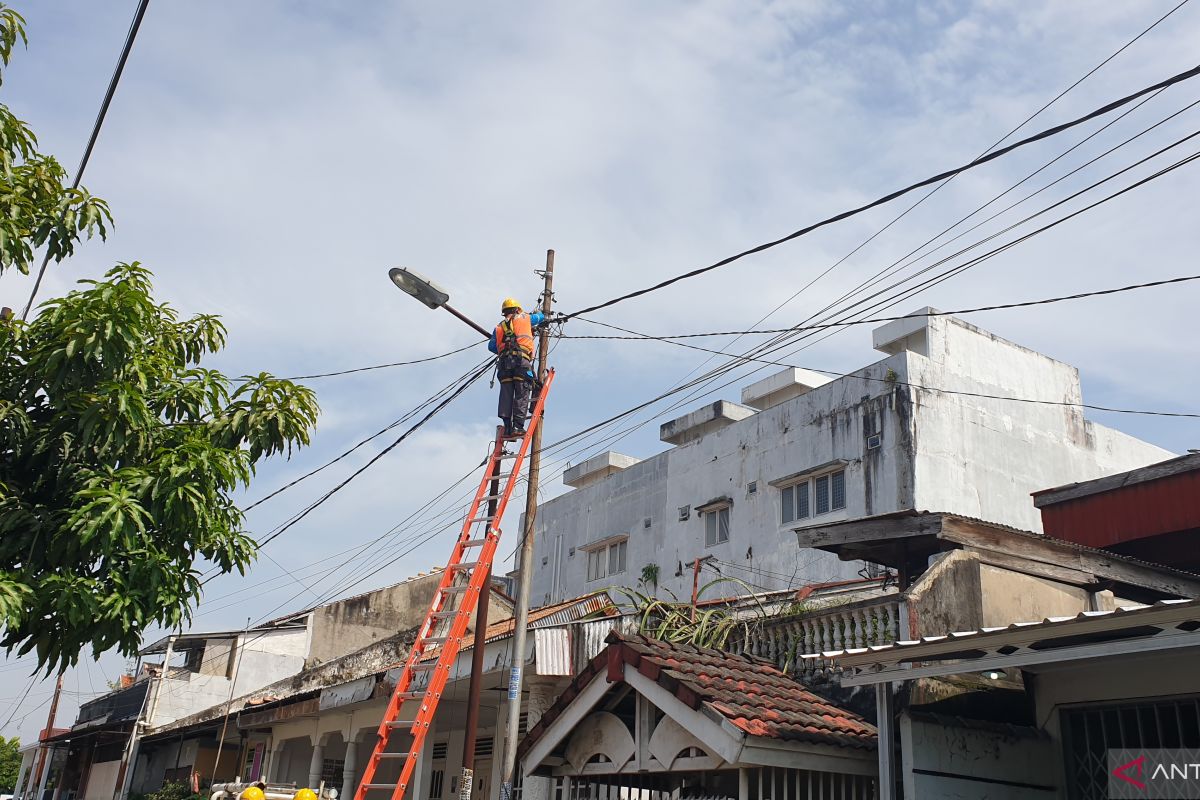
(607, 559)
(716, 525)
(812, 497)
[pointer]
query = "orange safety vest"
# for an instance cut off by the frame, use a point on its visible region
(521, 329)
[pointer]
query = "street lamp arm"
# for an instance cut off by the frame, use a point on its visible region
(485, 332)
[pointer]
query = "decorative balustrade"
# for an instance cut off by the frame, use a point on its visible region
(783, 640)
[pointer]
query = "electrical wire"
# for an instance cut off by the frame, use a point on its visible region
(999, 141)
(16, 706)
(374, 459)
(995, 154)
(874, 320)
(743, 359)
(479, 373)
(462, 349)
(134, 27)
(407, 416)
(717, 372)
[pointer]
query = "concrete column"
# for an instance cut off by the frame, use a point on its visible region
(347, 790)
(885, 725)
(274, 767)
(542, 694)
(419, 783)
(22, 778)
(314, 766)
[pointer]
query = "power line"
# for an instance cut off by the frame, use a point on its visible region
(736, 359)
(1183, 76)
(943, 184)
(385, 366)
(407, 416)
(873, 320)
(940, 390)
(313, 506)
(134, 27)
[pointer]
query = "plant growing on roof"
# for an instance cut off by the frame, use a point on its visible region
(649, 576)
(683, 623)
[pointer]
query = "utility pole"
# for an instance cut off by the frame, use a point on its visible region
(43, 747)
(467, 780)
(526, 561)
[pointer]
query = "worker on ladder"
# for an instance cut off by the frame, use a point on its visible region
(512, 341)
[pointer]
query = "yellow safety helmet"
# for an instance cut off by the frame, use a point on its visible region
(305, 794)
(252, 793)
(509, 302)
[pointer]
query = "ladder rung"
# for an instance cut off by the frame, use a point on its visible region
(504, 456)
(474, 542)
(459, 589)
(490, 497)
(391, 786)
(417, 695)
(464, 565)
(391, 755)
(401, 723)
(473, 520)
(443, 614)
(427, 666)
(435, 639)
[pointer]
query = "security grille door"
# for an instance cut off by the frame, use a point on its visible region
(1089, 732)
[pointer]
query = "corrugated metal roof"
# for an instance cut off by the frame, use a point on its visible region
(1120, 616)
(552, 652)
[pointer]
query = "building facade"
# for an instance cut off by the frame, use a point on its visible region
(932, 426)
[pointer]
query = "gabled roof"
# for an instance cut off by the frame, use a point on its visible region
(749, 693)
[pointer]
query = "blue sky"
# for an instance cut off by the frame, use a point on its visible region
(270, 161)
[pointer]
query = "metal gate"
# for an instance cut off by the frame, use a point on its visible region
(1089, 732)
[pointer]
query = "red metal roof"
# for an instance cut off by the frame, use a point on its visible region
(1152, 512)
(749, 692)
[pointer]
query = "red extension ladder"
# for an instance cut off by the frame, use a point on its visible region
(450, 612)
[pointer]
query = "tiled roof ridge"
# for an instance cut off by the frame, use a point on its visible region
(749, 693)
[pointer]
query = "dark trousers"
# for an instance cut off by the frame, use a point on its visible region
(515, 391)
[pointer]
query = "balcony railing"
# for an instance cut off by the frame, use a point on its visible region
(783, 640)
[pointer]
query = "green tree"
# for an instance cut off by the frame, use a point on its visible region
(10, 763)
(39, 208)
(119, 453)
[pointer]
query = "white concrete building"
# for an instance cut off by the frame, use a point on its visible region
(932, 426)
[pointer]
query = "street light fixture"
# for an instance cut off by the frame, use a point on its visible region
(429, 293)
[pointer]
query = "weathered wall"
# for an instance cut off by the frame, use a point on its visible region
(262, 658)
(947, 597)
(945, 761)
(952, 453)
(982, 457)
(267, 658)
(356, 622)
(823, 426)
(102, 780)
(1010, 597)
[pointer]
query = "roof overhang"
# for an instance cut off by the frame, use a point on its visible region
(1169, 626)
(906, 540)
